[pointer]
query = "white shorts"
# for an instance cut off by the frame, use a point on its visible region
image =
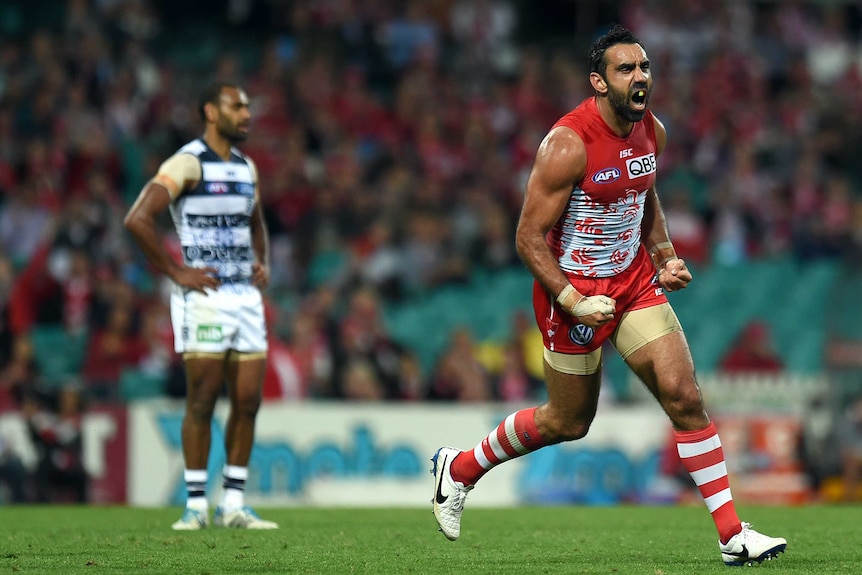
(230, 318)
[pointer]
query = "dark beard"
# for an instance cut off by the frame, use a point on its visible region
(234, 137)
(230, 133)
(619, 102)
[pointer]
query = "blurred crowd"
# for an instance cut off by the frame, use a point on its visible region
(393, 140)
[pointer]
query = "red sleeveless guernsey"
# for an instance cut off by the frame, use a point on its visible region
(598, 234)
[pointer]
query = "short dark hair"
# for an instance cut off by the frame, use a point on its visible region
(211, 95)
(616, 35)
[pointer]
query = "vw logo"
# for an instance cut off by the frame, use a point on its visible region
(581, 334)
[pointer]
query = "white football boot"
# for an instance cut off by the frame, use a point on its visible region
(449, 495)
(748, 546)
(242, 518)
(192, 520)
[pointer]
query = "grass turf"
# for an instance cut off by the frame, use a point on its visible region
(628, 540)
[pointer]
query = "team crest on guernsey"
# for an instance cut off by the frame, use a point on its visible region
(581, 334)
(551, 327)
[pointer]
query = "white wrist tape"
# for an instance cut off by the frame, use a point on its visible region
(585, 305)
(593, 304)
(564, 295)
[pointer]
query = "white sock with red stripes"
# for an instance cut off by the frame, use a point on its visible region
(516, 435)
(703, 458)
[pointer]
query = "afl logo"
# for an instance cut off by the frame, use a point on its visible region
(581, 334)
(606, 176)
(217, 188)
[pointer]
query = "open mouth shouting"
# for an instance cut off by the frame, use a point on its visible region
(639, 98)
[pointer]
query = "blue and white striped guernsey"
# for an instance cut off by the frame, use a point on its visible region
(213, 219)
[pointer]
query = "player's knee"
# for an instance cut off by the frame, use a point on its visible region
(200, 408)
(683, 399)
(247, 404)
(202, 395)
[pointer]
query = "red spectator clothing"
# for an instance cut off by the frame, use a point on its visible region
(32, 287)
(288, 374)
(109, 353)
(742, 360)
(359, 113)
(752, 352)
(289, 205)
(77, 293)
(282, 378)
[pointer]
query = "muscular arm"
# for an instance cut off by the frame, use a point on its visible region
(141, 223)
(260, 245)
(560, 163)
(140, 220)
(655, 236)
(654, 232)
(654, 226)
(259, 236)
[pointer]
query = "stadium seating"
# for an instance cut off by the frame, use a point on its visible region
(59, 354)
(786, 294)
(136, 384)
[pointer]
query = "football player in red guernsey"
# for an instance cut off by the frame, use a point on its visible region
(594, 236)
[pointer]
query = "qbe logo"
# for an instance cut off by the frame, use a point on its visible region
(640, 166)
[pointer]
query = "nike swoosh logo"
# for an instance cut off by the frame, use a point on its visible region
(743, 554)
(441, 499)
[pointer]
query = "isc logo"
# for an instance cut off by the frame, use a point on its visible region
(641, 166)
(606, 176)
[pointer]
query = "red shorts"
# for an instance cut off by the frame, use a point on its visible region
(635, 288)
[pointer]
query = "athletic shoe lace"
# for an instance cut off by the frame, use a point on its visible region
(460, 497)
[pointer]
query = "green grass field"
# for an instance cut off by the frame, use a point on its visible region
(607, 540)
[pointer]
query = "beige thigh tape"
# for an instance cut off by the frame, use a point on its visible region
(574, 364)
(641, 326)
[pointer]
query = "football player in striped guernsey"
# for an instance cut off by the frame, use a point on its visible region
(594, 236)
(211, 191)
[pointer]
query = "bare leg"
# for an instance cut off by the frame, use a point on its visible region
(666, 368)
(245, 373)
(204, 380)
(571, 406)
(245, 388)
(566, 416)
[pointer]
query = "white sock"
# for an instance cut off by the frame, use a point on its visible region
(234, 487)
(196, 489)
